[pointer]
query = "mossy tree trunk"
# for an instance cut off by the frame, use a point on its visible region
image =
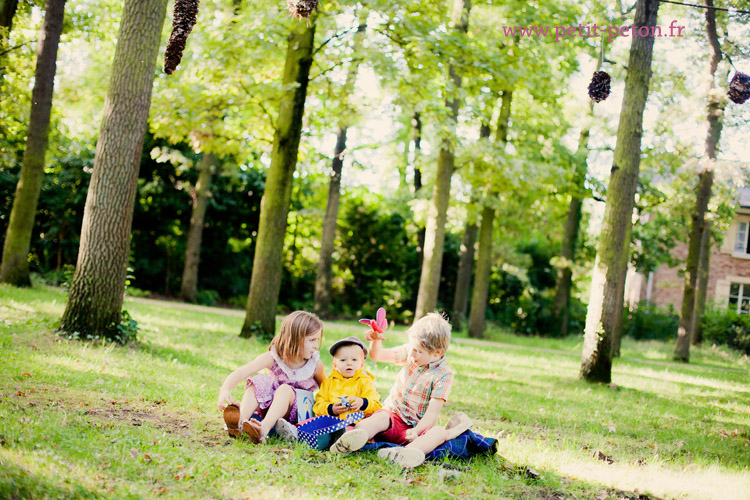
(322, 296)
(416, 124)
(201, 195)
(8, 10)
(484, 263)
(561, 304)
(260, 313)
(94, 305)
(463, 278)
(715, 116)
(429, 281)
(696, 334)
(608, 283)
(15, 263)
(466, 259)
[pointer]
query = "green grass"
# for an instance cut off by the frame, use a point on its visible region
(81, 420)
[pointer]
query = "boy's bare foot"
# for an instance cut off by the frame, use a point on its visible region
(252, 430)
(457, 425)
(286, 430)
(349, 442)
(405, 457)
(232, 420)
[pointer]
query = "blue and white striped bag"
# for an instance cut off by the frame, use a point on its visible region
(317, 431)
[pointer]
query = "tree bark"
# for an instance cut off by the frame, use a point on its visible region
(260, 314)
(429, 282)
(322, 296)
(696, 333)
(715, 117)
(94, 304)
(416, 124)
(15, 264)
(466, 260)
(201, 195)
(608, 284)
(481, 290)
(570, 236)
(463, 280)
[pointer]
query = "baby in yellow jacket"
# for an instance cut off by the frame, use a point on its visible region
(349, 388)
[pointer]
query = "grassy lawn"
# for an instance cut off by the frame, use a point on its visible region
(81, 420)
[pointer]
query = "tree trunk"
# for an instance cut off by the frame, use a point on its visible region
(94, 304)
(201, 195)
(484, 257)
(322, 297)
(705, 181)
(696, 333)
(466, 261)
(463, 280)
(15, 264)
(416, 124)
(429, 281)
(608, 284)
(570, 239)
(260, 314)
(8, 10)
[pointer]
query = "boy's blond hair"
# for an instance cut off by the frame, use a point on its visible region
(432, 331)
(290, 340)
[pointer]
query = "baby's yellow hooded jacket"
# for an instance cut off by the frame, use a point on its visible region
(361, 385)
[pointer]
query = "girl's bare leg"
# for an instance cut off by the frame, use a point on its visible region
(282, 403)
(249, 404)
(429, 440)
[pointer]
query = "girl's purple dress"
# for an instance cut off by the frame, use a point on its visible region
(299, 378)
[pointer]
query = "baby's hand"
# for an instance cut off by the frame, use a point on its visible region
(338, 409)
(356, 403)
(410, 435)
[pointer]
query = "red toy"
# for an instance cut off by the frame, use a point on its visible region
(378, 325)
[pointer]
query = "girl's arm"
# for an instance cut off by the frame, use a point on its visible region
(265, 360)
(320, 373)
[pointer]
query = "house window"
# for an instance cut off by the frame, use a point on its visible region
(741, 243)
(739, 297)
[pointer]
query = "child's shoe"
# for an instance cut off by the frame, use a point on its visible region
(286, 430)
(349, 442)
(232, 420)
(457, 425)
(405, 457)
(252, 431)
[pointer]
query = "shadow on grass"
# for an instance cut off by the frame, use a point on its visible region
(18, 483)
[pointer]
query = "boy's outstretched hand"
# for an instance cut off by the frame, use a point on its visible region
(377, 325)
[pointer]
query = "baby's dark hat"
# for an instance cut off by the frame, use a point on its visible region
(347, 341)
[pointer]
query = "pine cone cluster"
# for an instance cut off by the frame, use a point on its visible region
(739, 88)
(301, 8)
(600, 86)
(185, 14)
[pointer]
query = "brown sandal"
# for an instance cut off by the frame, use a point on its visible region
(253, 432)
(232, 420)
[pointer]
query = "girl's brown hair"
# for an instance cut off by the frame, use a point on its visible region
(290, 339)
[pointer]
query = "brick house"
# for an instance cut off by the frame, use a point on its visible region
(728, 275)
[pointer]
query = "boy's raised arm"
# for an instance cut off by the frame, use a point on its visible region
(379, 353)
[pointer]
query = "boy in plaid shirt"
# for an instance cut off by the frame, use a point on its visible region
(419, 393)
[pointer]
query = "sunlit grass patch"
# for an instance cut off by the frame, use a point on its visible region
(97, 420)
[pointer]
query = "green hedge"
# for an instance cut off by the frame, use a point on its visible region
(723, 326)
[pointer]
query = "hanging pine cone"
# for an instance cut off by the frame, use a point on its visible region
(301, 8)
(599, 86)
(739, 88)
(185, 13)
